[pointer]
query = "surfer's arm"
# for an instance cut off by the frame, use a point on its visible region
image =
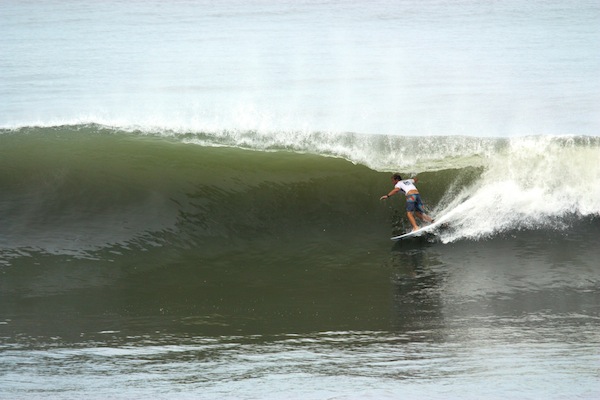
(393, 192)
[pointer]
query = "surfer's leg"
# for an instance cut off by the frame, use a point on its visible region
(420, 211)
(410, 209)
(424, 217)
(411, 218)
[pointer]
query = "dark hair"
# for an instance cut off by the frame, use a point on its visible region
(397, 177)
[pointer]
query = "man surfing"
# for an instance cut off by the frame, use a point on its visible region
(414, 205)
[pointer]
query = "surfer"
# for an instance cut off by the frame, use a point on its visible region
(414, 205)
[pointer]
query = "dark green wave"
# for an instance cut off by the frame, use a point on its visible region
(79, 190)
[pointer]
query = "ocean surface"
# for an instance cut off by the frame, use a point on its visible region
(189, 199)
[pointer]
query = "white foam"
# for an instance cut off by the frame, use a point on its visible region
(535, 182)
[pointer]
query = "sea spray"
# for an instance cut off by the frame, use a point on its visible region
(537, 182)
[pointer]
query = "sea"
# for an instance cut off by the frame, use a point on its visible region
(190, 199)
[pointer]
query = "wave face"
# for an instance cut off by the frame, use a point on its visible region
(92, 191)
(87, 191)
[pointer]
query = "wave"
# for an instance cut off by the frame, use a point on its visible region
(95, 191)
(379, 152)
(531, 183)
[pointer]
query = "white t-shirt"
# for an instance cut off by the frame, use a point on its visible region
(406, 185)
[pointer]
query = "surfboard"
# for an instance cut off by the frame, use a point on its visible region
(419, 232)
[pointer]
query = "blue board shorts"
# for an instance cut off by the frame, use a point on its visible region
(414, 203)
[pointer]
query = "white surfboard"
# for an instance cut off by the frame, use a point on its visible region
(418, 232)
